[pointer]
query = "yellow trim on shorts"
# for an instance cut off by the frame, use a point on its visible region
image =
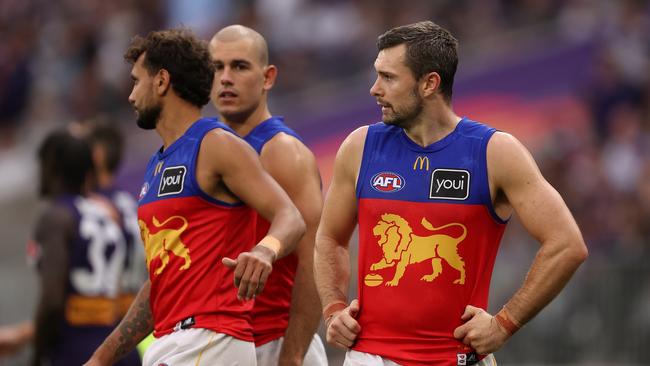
(204, 348)
(144, 345)
(493, 360)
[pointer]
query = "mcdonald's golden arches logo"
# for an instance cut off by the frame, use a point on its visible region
(421, 162)
(158, 168)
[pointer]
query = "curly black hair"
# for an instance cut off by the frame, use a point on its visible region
(65, 163)
(185, 57)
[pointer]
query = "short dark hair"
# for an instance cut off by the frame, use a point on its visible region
(429, 48)
(183, 55)
(65, 163)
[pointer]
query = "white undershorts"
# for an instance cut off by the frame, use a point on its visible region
(199, 347)
(355, 358)
(269, 353)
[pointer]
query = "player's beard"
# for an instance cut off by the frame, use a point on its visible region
(148, 117)
(405, 117)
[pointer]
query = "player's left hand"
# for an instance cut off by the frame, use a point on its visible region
(14, 337)
(481, 331)
(9, 342)
(252, 269)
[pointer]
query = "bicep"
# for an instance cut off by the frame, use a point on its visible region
(244, 176)
(340, 209)
(538, 205)
(542, 210)
(294, 167)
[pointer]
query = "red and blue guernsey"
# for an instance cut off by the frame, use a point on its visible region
(186, 233)
(428, 238)
(271, 310)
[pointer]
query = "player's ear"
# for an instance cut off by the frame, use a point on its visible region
(162, 82)
(429, 84)
(270, 73)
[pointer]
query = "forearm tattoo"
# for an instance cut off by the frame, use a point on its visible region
(134, 328)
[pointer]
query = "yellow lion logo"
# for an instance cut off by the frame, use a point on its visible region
(400, 246)
(164, 241)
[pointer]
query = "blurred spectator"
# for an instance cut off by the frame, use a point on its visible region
(15, 76)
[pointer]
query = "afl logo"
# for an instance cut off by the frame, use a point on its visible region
(387, 182)
(143, 191)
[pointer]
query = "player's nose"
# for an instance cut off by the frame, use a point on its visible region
(131, 99)
(225, 76)
(375, 91)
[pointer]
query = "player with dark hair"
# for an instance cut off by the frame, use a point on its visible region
(107, 144)
(79, 250)
(192, 217)
(286, 315)
(432, 193)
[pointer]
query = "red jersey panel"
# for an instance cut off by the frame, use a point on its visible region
(417, 272)
(185, 241)
(186, 234)
(428, 239)
(271, 310)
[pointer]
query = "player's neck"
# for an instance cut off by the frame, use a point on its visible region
(432, 125)
(175, 119)
(244, 124)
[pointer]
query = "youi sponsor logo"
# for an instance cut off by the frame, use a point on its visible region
(449, 184)
(172, 180)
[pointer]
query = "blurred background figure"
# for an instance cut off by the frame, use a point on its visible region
(79, 251)
(570, 78)
(107, 144)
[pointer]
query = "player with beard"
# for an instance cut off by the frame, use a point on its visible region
(432, 193)
(286, 315)
(192, 217)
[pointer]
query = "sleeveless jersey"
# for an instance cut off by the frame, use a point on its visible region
(96, 261)
(135, 270)
(186, 234)
(428, 238)
(271, 310)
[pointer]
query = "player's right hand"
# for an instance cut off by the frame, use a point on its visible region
(343, 328)
(252, 269)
